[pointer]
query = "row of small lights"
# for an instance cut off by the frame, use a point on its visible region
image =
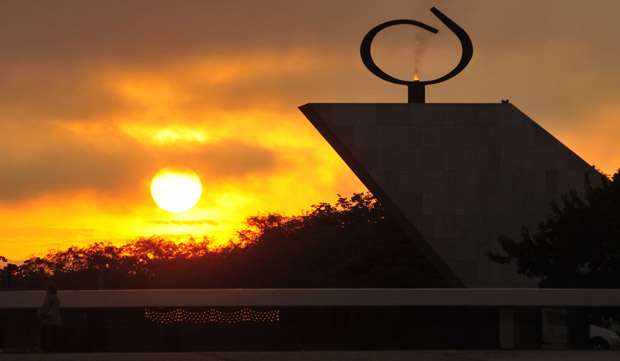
(212, 315)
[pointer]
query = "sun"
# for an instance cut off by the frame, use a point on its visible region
(175, 189)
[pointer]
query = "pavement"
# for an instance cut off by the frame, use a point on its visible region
(329, 356)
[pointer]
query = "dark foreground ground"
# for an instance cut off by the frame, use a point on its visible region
(330, 356)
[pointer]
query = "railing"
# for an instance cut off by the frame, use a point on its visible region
(312, 318)
(500, 297)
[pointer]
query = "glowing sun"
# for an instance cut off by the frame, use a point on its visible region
(176, 190)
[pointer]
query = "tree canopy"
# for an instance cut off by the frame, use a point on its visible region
(350, 243)
(578, 245)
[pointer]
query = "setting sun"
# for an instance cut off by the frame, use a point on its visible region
(176, 190)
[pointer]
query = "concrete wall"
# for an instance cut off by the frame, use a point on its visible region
(458, 175)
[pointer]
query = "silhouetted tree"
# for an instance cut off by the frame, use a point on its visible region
(347, 244)
(578, 245)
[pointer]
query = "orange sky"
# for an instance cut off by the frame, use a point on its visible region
(96, 97)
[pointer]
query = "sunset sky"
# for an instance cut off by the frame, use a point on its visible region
(98, 96)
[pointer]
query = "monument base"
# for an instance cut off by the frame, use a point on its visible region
(456, 176)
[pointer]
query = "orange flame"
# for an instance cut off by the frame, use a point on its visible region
(416, 77)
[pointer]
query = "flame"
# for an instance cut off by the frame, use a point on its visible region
(416, 77)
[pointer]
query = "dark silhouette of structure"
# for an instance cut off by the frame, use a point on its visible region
(457, 176)
(416, 88)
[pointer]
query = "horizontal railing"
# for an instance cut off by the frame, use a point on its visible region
(318, 297)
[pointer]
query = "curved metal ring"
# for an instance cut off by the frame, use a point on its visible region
(467, 48)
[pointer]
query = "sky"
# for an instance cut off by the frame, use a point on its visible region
(97, 97)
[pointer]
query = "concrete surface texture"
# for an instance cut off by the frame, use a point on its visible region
(330, 356)
(456, 175)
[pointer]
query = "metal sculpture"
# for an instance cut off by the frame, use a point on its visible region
(416, 88)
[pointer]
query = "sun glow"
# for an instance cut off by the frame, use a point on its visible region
(168, 123)
(176, 190)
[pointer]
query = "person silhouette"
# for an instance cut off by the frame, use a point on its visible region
(49, 314)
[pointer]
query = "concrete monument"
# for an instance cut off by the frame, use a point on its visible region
(456, 176)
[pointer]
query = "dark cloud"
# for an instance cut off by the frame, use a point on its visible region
(37, 93)
(73, 165)
(149, 30)
(540, 54)
(223, 160)
(146, 31)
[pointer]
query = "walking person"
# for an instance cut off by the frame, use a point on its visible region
(49, 315)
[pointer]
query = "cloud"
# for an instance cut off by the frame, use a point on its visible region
(522, 51)
(43, 93)
(221, 161)
(143, 32)
(229, 158)
(73, 165)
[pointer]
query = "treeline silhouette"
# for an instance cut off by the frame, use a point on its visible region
(350, 243)
(578, 245)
